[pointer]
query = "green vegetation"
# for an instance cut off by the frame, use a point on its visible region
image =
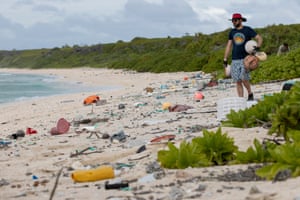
(286, 158)
(259, 153)
(188, 53)
(287, 116)
(214, 148)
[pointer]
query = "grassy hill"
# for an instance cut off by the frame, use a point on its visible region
(188, 53)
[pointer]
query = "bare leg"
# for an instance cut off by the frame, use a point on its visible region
(240, 89)
(247, 86)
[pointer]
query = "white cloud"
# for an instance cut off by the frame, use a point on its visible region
(30, 12)
(159, 2)
(7, 34)
(53, 23)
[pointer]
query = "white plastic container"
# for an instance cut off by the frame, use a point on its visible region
(251, 103)
(224, 106)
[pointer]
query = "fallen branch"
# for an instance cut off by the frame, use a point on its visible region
(200, 112)
(264, 124)
(276, 141)
(56, 183)
(79, 152)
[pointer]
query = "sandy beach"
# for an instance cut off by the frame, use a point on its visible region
(39, 165)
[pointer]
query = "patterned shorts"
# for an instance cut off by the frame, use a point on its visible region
(238, 71)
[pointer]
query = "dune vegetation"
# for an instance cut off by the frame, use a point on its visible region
(199, 52)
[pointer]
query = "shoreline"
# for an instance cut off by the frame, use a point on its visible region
(30, 164)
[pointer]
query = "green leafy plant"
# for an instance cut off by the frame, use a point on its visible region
(239, 119)
(259, 153)
(287, 116)
(184, 156)
(214, 148)
(294, 135)
(286, 157)
(218, 147)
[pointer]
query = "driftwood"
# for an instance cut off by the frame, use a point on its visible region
(264, 124)
(56, 183)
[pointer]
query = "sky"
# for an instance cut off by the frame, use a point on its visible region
(36, 24)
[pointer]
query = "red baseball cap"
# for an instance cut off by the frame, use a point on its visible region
(238, 16)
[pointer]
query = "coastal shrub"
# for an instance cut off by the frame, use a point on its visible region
(286, 158)
(287, 116)
(214, 148)
(217, 146)
(184, 156)
(259, 153)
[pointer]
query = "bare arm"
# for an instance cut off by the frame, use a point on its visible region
(228, 49)
(259, 40)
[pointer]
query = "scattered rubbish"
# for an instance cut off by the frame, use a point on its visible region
(164, 138)
(176, 193)
(116, 184)
(100, 173)
(30, 131)
(200, 85)
(94, 133)
(149, 89)
(153, 167)
(164, 86)
(4, 143)
(139, 104)
(180, 130)
(146, 179)
(179, 108)
(121, 106)
(105, 136)
(62, 127)
(166, 105)
(287, 85)
(88, 128)
(138, 156)
(160, 97)
(212, 83)
(118, 137)
(101, 102)
(123, 165)
(141, 149)
(19, 133)
(91, 100)
(3, 182)
(92, 149)
(198, 96)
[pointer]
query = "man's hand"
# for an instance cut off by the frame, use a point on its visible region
(256, 49)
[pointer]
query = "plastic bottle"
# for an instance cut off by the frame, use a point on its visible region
(100, 173)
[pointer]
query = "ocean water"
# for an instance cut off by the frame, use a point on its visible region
(20, 87)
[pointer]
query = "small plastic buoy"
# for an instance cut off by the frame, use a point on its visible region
(198, 96)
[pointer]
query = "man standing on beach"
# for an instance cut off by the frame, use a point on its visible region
(238, 36)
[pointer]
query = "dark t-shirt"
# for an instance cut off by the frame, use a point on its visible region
(239, 38)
